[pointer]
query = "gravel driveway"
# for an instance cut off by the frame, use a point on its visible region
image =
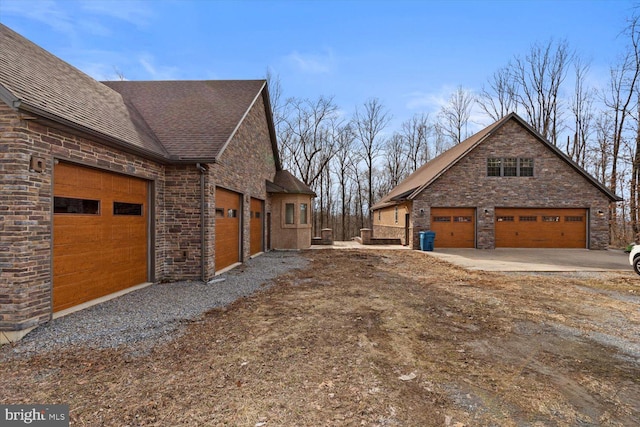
(153, 314)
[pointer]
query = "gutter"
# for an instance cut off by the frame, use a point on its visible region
(203, 252)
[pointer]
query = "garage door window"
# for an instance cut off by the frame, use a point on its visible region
(129, 209)
(505, 219)
(70, 205)
(550, 219)
(461, 219)
(573, 219)
(528, 218)
(441, 219)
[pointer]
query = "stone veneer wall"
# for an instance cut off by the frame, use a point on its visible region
(555, 184)
(244, 167)
(26, 208)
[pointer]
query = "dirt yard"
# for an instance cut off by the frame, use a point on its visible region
(371, 338)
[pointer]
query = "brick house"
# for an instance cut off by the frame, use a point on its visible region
(106, 187)
(505, 186)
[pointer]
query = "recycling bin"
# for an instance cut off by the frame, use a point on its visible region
(427, 240)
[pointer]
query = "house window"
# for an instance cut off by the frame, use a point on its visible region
(379, 214)
(494, 167)
(70, 205)
(396, 215)
(526, 167)
(303, 213)
(127, 209)
(288, 213)
(510, 166)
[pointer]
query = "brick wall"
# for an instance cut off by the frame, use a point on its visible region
(554, 184)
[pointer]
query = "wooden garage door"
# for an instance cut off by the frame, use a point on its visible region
(256, 226)
(541, 228)
(99, 234)
(454, 227)
(227, 228)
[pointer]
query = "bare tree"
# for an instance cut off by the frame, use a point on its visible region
(582, 110)
(274, 86)
(306, 135)
(415, 133)
(538, 77)
(619, 99)
(499, 99)
(455, 115)
(368, 122)
(343, 137)
(395, 166)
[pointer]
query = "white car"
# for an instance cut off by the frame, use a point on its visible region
(634, 258)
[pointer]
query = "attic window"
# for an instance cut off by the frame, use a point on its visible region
(509, 166)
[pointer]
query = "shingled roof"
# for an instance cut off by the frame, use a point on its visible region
(33, 80)
(169, 121)
(285, 182)
(413, 185)
(192, 119)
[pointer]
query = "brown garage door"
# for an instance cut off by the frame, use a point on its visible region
(454, 227)
(541, 228)
(256, 226)
(227, 228)
(99, 234)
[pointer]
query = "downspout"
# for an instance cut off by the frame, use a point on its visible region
(203, 269)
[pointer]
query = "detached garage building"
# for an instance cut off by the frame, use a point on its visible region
(505, 186)
(106, 186)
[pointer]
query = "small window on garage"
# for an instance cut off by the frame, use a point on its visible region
(288, 213)
(258, 215)
(573, 219)
(507, 218)
(70, 205)
(526, 167)
(232, 213)
(127, 209)
(528, 218)
(550, 219)
(510, 165)
(219, 212)
(441, 219)
(461, 219)
(494, 167)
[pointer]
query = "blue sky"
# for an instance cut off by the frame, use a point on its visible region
(409, 54)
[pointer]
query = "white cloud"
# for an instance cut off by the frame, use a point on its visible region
(47, 12)
(313, 63)
(156, 72)
(134, 12)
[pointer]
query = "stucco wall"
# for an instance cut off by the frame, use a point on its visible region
(290, 236)
(554, 184)
(385, 225)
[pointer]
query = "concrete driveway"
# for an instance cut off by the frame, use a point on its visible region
(520, 259)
